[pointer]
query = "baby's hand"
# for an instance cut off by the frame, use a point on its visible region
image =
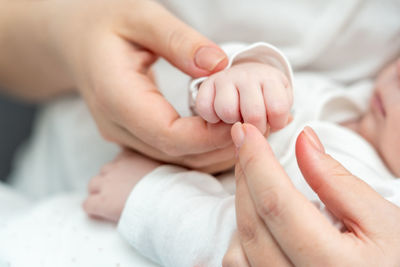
(251, 92)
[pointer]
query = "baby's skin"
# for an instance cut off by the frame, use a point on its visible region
(249, 92)
(380, 124)
(109, 190)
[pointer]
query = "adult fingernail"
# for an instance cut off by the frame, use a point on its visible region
(238, 134)
(208, 58)
(268, 131)
(313, 139)
(290, 119)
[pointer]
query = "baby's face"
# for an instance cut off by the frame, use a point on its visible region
(383, 117)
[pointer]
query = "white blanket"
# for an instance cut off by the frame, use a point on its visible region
(56, 232)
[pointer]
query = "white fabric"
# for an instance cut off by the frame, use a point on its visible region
(181, 218)
(343, 39)
(56, 232)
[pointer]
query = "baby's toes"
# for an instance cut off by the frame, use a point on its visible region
(94, 206)
(106, 169)
(90, 205)
(102, 206)
(95, 184)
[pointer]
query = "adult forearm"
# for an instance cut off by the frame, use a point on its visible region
(29, 65)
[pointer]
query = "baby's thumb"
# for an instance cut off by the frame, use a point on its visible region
(182, 46)
(346, 196)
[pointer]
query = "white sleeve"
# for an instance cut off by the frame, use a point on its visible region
(257, 52)
(177, 217)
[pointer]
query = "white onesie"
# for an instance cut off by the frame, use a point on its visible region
(177, 217)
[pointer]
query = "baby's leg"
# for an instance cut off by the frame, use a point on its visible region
(109, 190)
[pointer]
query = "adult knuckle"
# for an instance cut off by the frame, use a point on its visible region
(270, 204)
(250, 160)
(247, 231)
(335, 168)
(170, 149)
(177, 37)
(167, 144)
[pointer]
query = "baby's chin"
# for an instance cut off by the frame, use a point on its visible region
(389, 159)
(219, 167)
(395, 170)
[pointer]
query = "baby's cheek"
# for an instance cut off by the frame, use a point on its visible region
(389, 146)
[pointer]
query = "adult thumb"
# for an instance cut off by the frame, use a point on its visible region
(350, 199)
(158, 30)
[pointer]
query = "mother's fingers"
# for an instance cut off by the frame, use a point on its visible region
(132, 100)
(158, 30)
(210, 162)
(160, 125)
(260, 247)
(350, 199)
(235, 256)
(278, 203)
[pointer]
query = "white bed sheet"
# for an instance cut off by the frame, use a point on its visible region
(56, 232)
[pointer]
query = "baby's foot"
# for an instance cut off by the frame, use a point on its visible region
(109, 190)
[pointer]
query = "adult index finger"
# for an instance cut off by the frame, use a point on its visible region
(300, 229)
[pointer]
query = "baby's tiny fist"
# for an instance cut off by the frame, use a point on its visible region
(251, 92)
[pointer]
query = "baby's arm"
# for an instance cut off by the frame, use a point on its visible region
(178, 218)
(255, 88)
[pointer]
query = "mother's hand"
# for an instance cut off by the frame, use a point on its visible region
(278, 226)
(108, 48)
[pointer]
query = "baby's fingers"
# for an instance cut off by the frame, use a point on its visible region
(278, 102)
(205, 101)
(252, 105)
(226, 103)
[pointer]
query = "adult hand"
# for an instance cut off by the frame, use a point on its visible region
(105, 48)
(110, 46)
(278, 226)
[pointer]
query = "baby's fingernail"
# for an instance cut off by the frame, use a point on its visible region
(313, 139)
(238, 134)
(208, 58)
